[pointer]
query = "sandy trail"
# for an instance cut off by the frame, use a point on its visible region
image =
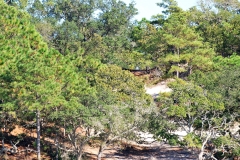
(154, 151)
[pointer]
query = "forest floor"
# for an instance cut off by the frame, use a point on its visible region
(154, 151)
(128, 151)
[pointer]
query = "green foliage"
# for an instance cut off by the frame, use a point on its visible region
(172, 43)
(67, 39)
(228, 87)
(236, 151)
(20, 4)
(149, 40)
(85, 85)
(186, 45)
(172, 140)
(223, 82)
(170, 7)
(229, 142)
(222, 141)
(191, 100)
(189, 107)
(20, 45)
(115, 17)
(218, 24)
(160, 127)
(37, 78)
(192, 140)
(123, 84)
(71, 26)
(135, 59)
(233, 60)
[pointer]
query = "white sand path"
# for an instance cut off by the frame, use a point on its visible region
(158, 88)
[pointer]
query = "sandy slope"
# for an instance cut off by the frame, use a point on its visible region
(158, 88)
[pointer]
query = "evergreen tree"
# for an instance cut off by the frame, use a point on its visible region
(217, 22)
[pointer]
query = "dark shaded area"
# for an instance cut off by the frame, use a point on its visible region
(139, 72)
(155, 152)
(26, 147)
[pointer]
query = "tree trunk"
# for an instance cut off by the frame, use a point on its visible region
(38, 135)
(178, 53)
(99, 156)
(200, 156)
(101, 149)
(64, 129)
(190, 70)
(80, 151)
(79, 156)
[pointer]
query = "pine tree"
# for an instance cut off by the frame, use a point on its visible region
(28, 73)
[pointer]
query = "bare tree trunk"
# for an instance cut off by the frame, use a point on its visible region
(38, 135)
(177, 74)
(79, 156)
(64, 129)
(100, 151)
(190, 70)
(57, 147)
(200, 156)
(3, 149)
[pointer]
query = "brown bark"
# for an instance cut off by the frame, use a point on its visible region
(38, 135)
